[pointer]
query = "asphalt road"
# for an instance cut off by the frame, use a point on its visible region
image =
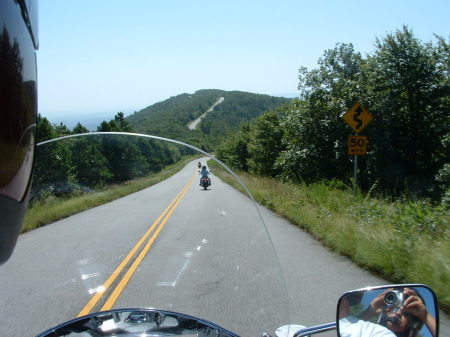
(207, 256)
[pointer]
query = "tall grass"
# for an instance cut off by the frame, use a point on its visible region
(51, 209)
(402, 241)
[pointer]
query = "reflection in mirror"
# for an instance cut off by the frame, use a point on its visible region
(168, 322)
(390, 311)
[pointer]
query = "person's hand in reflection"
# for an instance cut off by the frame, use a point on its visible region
(415, 306)
(404, 313)
(407, 319)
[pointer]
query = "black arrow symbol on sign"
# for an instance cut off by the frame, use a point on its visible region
(356, 119)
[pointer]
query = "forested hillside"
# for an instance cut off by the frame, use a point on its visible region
(171, 117)
(78, 165)
(405, 85)
(83, 163)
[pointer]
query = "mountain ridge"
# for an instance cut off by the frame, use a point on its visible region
(170, 118)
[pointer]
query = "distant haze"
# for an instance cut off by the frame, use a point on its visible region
(89, 120)
(286, 94)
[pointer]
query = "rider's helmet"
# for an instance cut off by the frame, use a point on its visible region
(18, 108)
(204, 168)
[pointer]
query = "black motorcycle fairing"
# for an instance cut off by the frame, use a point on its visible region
(138, 322)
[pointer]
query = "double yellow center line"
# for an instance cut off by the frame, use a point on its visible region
(159, 225)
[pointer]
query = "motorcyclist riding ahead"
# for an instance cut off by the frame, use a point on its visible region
(204, 174)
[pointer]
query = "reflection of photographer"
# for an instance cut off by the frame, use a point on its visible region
(351, 326)
(402, 312)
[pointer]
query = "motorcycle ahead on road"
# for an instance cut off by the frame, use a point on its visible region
(165, 260)
(205, 182)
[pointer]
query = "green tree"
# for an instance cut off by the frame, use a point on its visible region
(234, 151)
(158, 154)
(409, 95)
(118, 124)
(315, 136)
(90, 165)
(122, 123)
(443, 176)
(79, 128)
(61, 130)
(44, 129)
(125, 159)
(266, 144)
(53, 166)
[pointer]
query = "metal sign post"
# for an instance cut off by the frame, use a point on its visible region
(357, 117)
(355, 170)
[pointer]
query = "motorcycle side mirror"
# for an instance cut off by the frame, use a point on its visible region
(388, 311)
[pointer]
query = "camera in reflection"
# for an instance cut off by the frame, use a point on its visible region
(394, 299)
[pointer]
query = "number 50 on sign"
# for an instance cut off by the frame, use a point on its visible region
(357, 145)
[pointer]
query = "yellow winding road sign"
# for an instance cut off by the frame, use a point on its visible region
(357, 117)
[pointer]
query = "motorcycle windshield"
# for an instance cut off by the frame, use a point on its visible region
(125, 223)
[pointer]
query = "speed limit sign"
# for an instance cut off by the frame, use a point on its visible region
(357, 145)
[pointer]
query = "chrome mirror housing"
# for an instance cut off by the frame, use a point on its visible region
(407, 310)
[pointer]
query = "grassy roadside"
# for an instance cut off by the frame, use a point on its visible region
(51, 210)
(404, 242)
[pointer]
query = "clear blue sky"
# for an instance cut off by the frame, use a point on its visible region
(110, 55)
